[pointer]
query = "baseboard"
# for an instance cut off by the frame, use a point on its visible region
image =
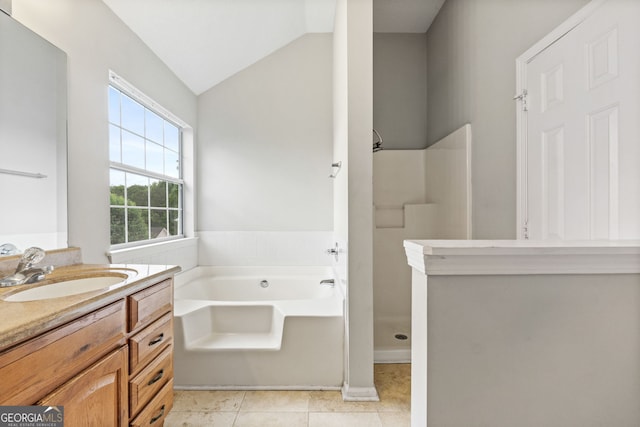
(256, 387)
(359, 394)
(392, 356)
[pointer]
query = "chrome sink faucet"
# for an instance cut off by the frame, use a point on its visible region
(26, 272)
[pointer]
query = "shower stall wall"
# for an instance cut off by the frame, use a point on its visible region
(418, 194)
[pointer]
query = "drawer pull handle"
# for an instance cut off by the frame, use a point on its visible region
(157, 417)
(156, 378)
(156, 340)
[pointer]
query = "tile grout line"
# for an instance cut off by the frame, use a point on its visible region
(244, 396)
(395, 403)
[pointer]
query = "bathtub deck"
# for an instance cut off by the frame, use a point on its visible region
(244, 341)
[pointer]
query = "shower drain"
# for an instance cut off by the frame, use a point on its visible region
(401, 337)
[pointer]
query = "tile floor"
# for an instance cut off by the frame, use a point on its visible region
(298, 408)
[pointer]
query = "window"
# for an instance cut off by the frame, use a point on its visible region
(146, 172)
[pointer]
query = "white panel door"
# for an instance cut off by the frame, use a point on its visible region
(582, 155)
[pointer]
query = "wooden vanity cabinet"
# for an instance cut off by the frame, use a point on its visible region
(110, 367)
(151, 354)
(96, 396)
(144, 386)
(37, 367)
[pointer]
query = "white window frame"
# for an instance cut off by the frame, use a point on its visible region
(128, 89)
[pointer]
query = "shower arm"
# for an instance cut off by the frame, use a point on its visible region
(377, 146)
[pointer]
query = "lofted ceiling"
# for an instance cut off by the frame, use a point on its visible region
(206, 41)
(404, 16)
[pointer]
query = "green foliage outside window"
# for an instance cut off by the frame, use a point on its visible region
(148, 212)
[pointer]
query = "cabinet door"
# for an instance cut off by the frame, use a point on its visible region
(96, 396)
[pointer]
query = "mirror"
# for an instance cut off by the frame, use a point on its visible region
(33, 139)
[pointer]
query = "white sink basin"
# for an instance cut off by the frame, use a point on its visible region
(66, 288)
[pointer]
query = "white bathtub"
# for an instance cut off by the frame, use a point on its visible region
(258, 328)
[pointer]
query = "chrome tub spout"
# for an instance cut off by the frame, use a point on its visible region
(328, 282)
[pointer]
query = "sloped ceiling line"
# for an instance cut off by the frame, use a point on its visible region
(207, 41)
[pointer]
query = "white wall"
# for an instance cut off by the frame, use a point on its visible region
(264, 248)
(5, 5)
(341, 128)
(398, 190)
(265, 143)
(400, 89)
(471, 51)
(525, 333)
(556, 351)
(264, 160)
(95, 41)
(448, 183)
(353, 121)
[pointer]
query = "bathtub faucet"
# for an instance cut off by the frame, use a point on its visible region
(328, 282)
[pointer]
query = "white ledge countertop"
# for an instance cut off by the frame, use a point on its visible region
(483, 257)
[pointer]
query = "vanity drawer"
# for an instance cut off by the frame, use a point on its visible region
(157, 410)
(36, 367)
(151, 379)
(148, 343)
(149, 304)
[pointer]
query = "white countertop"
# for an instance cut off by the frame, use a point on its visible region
(439, 257)
(441, 247)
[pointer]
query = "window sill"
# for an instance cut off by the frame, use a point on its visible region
(120, 256)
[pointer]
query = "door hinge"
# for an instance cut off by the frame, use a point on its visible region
(525, 230)
(523, 98)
